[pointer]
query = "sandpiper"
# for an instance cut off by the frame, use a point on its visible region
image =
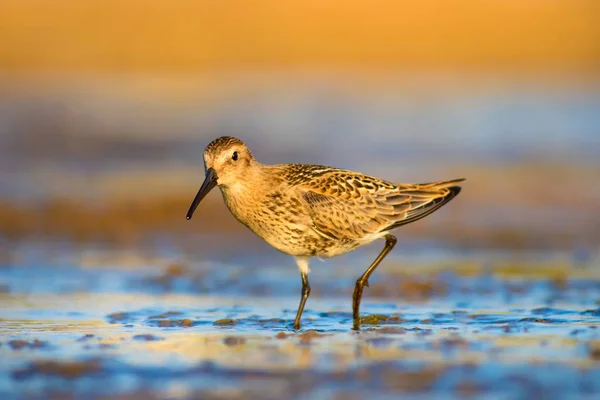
(315, 211)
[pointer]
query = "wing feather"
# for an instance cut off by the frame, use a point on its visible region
(343, 210)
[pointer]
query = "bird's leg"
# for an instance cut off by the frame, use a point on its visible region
(305, 294)
(390, 242)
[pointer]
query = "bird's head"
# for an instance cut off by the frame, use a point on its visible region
(227, 161)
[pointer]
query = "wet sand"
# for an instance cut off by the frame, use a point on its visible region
(129, 325)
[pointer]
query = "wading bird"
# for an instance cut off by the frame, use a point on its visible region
(315, 211)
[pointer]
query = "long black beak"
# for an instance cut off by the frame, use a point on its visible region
(209, 182)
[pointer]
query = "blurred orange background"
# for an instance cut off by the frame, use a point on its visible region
(185, 35)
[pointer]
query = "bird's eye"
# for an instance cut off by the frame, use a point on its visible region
(234, 157)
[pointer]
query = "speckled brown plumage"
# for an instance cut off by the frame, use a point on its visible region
(312, 210)
(222, 142)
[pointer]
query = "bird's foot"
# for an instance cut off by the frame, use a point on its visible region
(295, 326)
(356, 324)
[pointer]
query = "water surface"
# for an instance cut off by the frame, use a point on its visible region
(149, 327)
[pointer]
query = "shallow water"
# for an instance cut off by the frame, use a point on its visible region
(203, 309)
(444, 326)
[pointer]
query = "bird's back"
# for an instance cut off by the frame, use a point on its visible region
(350, 209)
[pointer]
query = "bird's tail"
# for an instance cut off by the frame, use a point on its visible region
(427, 198)
(440, 185)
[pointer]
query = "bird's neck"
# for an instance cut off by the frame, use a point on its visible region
(246, 191)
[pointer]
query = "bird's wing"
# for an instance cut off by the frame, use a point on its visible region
(350, 206)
